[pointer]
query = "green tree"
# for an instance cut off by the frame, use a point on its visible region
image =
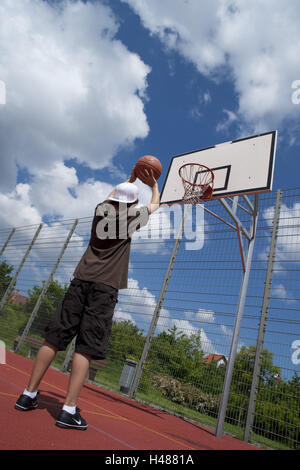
(244, 365)
(13, 315)
(242, 380)
(209, 377)
(50, 302)
(294, 382)
(126, 341)
(5, 278)
(176, 354)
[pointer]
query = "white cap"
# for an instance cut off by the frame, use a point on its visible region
(125, 192)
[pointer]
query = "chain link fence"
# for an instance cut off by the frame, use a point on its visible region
(192, 285)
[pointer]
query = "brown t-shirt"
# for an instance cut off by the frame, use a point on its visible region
(106, 259)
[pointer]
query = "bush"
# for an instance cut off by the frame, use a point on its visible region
(187, 395)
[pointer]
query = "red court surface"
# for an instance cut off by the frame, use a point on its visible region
(115, 422)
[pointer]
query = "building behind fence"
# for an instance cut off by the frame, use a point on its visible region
(187, 354)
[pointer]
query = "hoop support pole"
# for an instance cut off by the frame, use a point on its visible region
(235, 218)
(241, 247)
(235, 337)
(216, 216)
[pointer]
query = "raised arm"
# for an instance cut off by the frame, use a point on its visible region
(154, 204)
(149, 179)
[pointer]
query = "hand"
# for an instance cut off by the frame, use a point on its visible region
(132, 176)
(147, 177)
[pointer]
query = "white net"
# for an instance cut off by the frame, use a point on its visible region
(197, 181)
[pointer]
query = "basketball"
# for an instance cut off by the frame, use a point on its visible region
(148, 162)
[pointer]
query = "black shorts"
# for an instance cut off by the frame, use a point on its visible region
(86, 311)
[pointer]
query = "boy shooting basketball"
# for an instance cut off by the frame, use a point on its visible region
(88, 306)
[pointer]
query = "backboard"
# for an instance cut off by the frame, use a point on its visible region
(243, 166)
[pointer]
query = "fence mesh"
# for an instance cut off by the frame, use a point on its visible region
(185, 368)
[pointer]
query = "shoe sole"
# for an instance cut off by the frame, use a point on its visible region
(70, 426)
(21, 408)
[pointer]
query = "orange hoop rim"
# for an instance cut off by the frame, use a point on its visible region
(199, 165)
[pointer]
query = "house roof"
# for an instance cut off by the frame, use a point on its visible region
(17, 298)
(214, 357)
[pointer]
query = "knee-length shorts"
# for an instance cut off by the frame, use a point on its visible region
(86, 312)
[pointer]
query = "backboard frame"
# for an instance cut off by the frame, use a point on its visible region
(225, 167)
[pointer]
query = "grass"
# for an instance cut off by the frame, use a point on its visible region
(109, 376)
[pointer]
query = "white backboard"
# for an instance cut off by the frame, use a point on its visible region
(243, 166)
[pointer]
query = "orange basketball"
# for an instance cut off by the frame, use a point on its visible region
(148, 162)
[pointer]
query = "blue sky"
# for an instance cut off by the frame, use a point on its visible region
(185, 109)
(93, 86)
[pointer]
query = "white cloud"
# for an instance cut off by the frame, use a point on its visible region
(16, 209)
(60, 63)
(227, 337)
(249, 43)
(207, 345)
(280, 291)
(196, 112)
(287, 250)
(45, 251)
(53, 192)
(120, 315)
(201, 316)
(207, 97)
(188, 328)
(230, 118)
(163, 225)
(288, 245)
(136, 304)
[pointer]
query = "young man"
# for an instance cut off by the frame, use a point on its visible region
(88, 306)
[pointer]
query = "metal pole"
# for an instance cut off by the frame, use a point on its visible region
(140, 366)
(7, 241)
(235, 337)
(216, 216)
(69, 354)
(13, 281)
(45, 288)
(263, 321)
(229, 210)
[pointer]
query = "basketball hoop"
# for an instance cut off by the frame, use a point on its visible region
(198, 182)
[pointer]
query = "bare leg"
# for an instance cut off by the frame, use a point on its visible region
(43, 360)
(80, 367)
